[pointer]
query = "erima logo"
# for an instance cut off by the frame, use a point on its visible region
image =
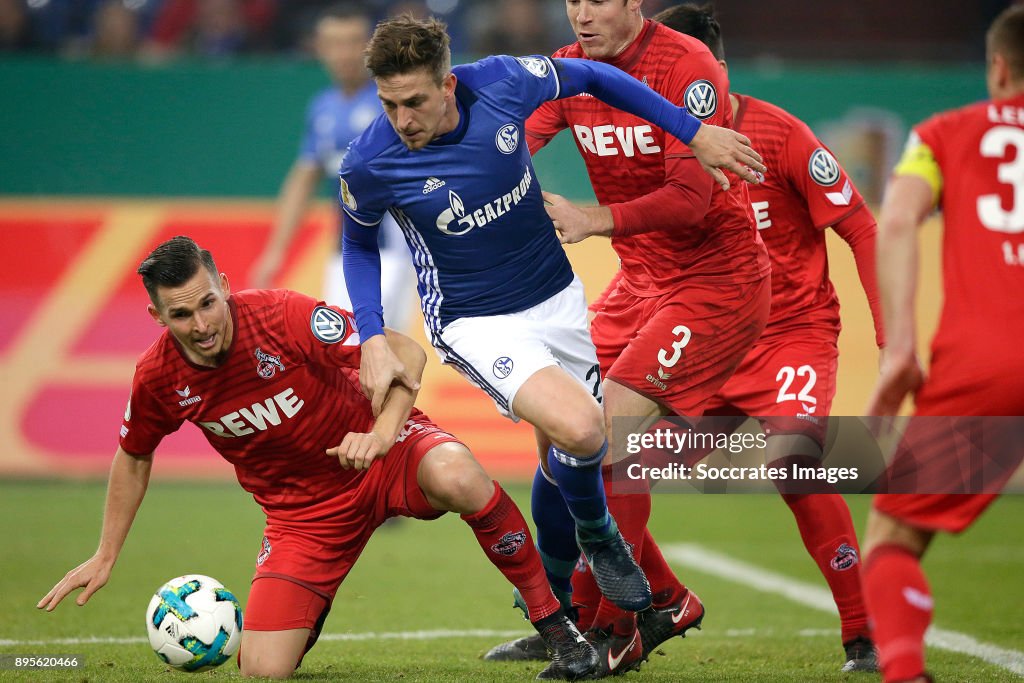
(664, 375)
(478, 218)
(701, 99)
(507, 138)
(841, 198)
(823, 167)
(187, 398)
(657, 382)
(257, 417)
(432, 184)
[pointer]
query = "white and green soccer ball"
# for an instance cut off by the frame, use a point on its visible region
(194, 623)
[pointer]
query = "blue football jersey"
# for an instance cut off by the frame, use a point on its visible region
(469, 203)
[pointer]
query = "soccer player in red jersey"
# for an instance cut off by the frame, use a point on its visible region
(789, 378)
(271, 376)
(694, 290)
(969, 163)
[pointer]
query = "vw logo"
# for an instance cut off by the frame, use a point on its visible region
(823, 167)
(701, 99)
(507, 138)
(328, 325)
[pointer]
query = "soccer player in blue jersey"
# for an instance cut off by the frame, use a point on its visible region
(335, 116)
(500, 301)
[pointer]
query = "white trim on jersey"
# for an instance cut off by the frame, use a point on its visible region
(558, 81)
(426, 271)
(368, 225)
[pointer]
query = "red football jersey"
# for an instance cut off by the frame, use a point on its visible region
(288, 390)
(804, 191)
(625, 158)
(980, 152)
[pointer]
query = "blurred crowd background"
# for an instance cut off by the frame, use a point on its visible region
(161, 30)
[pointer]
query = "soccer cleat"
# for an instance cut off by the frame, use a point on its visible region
(572, 656)
(658, 625)
(617, 574)
(616, 654)
(861, 655)
(526, 649)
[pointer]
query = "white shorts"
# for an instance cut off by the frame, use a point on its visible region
(498, 353)
(397, 279)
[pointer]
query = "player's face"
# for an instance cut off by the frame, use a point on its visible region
(604, 28)
(418, 108)
(339, 47)
(198, 316)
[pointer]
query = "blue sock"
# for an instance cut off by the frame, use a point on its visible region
(582, 486)
(556, 532)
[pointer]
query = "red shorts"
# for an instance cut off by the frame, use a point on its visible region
(790, 377)
(317, 555)
(937, 512)
(679, 348)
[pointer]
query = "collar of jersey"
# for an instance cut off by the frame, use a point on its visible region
(454, 137)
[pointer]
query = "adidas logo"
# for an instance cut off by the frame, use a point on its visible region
(432, 184)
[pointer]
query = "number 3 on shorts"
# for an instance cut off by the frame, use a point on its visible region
(683, 332)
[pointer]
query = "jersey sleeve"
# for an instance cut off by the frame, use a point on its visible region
(324, 335)
(528, 82)
(699, 84)
(544, 124)
(813, 171)
(363, 198)
(146, 421)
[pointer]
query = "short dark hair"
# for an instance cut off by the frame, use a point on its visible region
(698, 21)
(172, 264)
(406, 44)
(1006, 37)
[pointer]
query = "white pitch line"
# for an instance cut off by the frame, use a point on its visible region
(721, 566)
(369, 635)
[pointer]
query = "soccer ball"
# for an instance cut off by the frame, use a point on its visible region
(194, 623)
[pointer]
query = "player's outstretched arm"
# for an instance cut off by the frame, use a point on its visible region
(359, 450)
(129, 478)
(714, 147)
(292, 201)
(908, 200)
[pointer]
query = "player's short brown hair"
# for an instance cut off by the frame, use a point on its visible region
(406, 44)
(1006, 37)
(698, 21)
(172, 264)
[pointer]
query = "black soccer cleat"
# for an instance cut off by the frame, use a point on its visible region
(861, 655)
(572, 657)
(617, 574)
(658, 625)
(526, 649)
(616, 653)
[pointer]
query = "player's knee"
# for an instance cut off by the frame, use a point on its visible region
(266, 667)
(579, 434)
(453, 480)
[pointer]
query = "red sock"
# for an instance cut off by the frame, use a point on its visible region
(828, 534)
(585, 596)
(631, 512)
(900, 604)
(505, 537)
(667, 589)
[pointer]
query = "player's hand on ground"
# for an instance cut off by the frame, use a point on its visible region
(358, 451)
(379, 369)
(91, 575)
(899, 377)
(717, 148)
(574, 223)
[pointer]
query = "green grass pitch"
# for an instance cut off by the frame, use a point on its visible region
(432, 577)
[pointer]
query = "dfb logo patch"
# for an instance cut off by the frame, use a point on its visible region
(328, 325)
(823, 167)
(701, 99)
(845, 557)
(510, 543)
(538, 66)
(507, 138)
